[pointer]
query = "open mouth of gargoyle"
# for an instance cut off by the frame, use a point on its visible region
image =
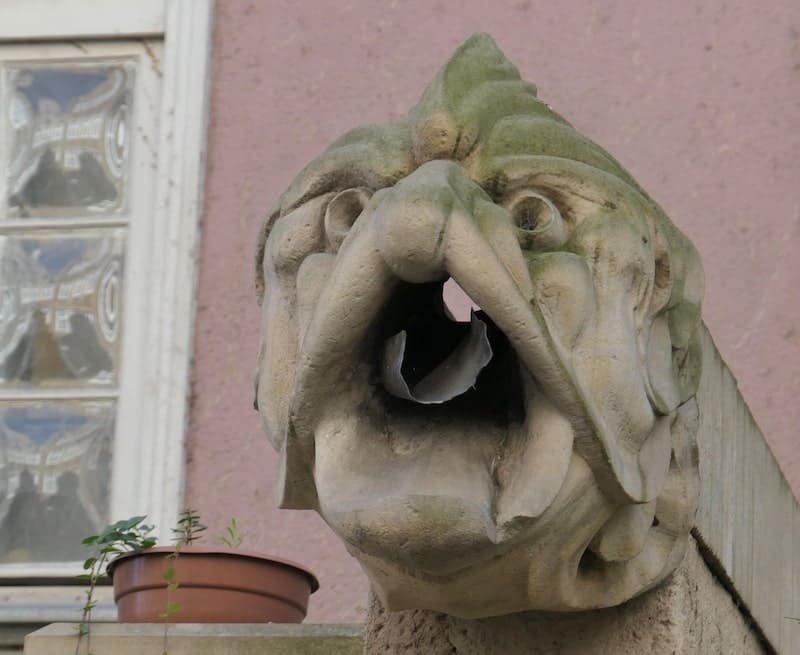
(444, 431)
(429, 362)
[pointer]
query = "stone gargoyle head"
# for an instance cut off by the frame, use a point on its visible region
(540, 455)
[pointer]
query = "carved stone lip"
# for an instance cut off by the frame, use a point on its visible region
(355, 360)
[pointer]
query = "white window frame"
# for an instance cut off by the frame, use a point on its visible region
(148, 458)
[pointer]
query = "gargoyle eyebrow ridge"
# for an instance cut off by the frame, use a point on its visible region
(372, 156)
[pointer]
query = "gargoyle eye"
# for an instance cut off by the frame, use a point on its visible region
(342, 211)
(538, 221)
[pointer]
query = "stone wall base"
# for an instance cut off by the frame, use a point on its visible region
(690, 614)
(199, 639)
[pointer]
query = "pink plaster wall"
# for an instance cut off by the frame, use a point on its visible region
(699, 99)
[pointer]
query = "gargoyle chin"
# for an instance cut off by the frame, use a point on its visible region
(540, 456)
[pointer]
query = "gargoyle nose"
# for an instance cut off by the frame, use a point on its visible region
(411, 220)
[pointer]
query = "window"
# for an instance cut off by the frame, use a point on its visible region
(102, 129)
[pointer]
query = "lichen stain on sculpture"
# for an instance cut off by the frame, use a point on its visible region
(540, 456)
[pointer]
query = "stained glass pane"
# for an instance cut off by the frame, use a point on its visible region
(55, 470)
(70, 135)
(60, 307)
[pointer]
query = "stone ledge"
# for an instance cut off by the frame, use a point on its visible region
(200, 639)
(748, 520)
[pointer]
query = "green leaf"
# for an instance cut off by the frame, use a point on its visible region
(173, 607)
(168, 574)
(172, 586)
(233, 537)
(129, 523)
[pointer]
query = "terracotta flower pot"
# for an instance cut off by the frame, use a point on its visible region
(214, 586)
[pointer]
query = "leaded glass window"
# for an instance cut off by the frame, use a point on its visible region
(65, 221)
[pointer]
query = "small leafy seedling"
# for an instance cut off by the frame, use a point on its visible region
(233, 537)
(188, 528)
(126, 536)
(186, 532)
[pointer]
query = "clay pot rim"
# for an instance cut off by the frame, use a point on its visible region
(217, 552)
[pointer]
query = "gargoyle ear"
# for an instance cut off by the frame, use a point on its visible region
(673, 357)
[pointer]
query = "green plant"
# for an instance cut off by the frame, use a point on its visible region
(188, 528)
(128, 535)
(186, 532)
(233, 537)
(133, 535)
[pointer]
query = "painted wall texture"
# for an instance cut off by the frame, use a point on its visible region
(699, 100)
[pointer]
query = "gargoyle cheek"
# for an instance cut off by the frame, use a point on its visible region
(289, 245)
(276, 356)
(609, 369)
(563, 294)
(608, 363)
(607, 359)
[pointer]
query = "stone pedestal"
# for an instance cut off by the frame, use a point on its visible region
(690, 614)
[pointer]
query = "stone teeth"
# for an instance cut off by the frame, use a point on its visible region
(454, 376)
